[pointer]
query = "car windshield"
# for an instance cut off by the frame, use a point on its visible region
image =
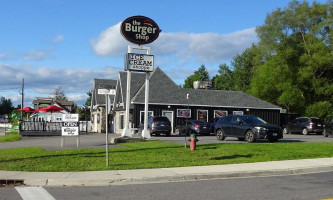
(161, 119)
(314, 120)
(199, 122)
(253, 120)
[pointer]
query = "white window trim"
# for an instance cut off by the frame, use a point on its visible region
(238, 112)
(150, 113)
(198, 114)
(225, 112)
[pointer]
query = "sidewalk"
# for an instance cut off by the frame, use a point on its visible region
(121, 177)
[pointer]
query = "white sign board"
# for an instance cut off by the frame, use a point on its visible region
(69, 131)
(139, 62)
(107, 91)
(70, 125)
(70, 117)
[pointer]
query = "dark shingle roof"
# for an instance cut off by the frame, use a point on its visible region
(99, 99)
(137, 80)
(162, 90)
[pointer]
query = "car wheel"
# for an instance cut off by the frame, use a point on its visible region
(249, 136)
(220, 135)
(241, 138)
(168, 134)
(285, 131)
(325, 133)
(305, 131)
(177, 132)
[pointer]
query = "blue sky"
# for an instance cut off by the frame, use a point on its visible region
(68, 43)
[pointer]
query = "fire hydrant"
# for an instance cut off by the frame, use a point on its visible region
(193, 141)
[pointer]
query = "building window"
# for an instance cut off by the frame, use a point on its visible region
(238, 113)
(121, 121)
(220, 113)
(184, 113)
(142, 115)
(202, 115)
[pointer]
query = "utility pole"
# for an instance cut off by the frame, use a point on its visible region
(22, 99)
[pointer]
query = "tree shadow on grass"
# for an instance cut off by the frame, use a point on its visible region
(231, 157)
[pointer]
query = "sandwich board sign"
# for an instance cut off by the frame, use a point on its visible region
(70, 125)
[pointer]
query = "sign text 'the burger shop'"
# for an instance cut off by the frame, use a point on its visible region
(140, 30)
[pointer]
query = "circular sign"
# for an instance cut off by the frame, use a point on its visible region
(140, 30)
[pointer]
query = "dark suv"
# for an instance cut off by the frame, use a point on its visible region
(247, 128)
(304, 125)
(158, 125)
(328, 127)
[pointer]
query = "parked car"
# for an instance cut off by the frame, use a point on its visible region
(158, 125)
(248, 128)
(304, 125)
(194, 126)
(218, 124)
(328, 127)
(213, 121)
(3, 120)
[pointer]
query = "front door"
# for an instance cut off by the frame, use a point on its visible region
(169, 115)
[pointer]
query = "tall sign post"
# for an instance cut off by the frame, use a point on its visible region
(187, 116)
(138, 30)
(107, 92)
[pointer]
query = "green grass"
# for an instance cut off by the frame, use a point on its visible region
(156, 154)
(10, 137)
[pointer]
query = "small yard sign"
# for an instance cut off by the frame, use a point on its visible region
(70, 125)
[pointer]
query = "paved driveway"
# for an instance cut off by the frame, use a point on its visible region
(98, 141)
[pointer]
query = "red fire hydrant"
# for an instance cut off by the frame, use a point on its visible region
(193, 141)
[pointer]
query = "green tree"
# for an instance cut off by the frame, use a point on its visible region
(84, 111)
(296, 47)
(223, 80)
(6, 106)
(199, 75)
(321, 109)
(243, 65)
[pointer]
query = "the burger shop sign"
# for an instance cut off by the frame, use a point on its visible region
(140, 30)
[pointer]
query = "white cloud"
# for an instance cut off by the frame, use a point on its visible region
(58, 38)
(110, 42)
(37, 55)
(41, 81)
(202, 47)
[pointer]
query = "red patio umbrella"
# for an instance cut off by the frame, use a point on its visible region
(51, 109)
(27, 109)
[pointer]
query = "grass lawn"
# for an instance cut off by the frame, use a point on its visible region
(10, 137)
(156, 154)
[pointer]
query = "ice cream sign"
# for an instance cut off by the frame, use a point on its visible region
(140, 30)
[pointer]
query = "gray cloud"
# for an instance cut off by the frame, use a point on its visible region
(41, 81)
(202, 47)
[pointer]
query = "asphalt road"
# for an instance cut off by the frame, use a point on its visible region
(300, 187)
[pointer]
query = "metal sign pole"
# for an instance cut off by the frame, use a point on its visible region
(188, 107)
(127, 131)
(146, 132)
(106, 130)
